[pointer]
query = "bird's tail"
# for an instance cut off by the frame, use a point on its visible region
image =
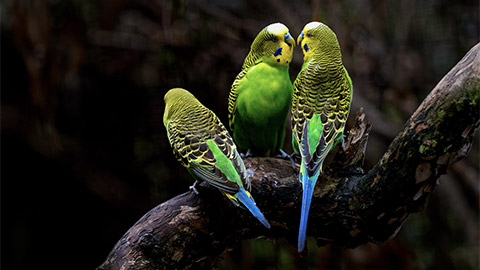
(245, 197)
(308, 187)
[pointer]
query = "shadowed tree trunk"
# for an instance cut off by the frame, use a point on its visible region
(349, 208)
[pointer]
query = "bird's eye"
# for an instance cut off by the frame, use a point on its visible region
(309, 35)
(274, 39)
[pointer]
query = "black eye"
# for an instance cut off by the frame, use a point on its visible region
(274, 39)
(309, 35)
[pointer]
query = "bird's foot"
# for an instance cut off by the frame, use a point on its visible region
(249, 153)
(343, 142)
(192, 187)
(290, 157)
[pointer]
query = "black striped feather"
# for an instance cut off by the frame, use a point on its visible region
(321, 88)
(232, 98)
(189, 127)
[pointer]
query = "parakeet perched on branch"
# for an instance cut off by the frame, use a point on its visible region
(261, 94)
(203, 145)
(320, 105)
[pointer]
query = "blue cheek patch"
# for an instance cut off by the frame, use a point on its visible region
(278, 52)
(305, 47)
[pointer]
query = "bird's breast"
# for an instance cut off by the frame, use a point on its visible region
(266, 91)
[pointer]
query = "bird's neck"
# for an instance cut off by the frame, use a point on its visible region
(323, 59)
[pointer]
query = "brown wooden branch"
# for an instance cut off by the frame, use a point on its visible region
(349, 207)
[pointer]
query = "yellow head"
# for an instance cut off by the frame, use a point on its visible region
(318, 38)
(176, 99)
(273, 44)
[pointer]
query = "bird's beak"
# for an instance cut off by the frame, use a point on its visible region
(300, 38)
(289, 39)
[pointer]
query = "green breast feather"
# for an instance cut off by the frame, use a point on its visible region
(261, 94)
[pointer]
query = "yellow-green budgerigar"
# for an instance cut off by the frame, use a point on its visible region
(261, 94)
(203, 145)
(320, 106)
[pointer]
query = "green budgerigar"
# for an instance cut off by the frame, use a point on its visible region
(203, 145)
(261, 94)
(320, 107)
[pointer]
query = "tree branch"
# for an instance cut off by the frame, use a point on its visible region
(349, 207)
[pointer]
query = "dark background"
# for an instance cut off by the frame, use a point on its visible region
(84, 153)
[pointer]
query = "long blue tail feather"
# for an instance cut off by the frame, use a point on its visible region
(250, 204)
(308, 187)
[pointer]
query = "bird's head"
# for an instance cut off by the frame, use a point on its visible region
(175, 99)
(273, 44)
(317, 37)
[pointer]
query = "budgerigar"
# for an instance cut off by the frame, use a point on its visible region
(320, 106)
(203, 145)
(261, 94)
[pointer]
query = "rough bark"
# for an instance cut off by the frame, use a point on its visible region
(349, 208)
